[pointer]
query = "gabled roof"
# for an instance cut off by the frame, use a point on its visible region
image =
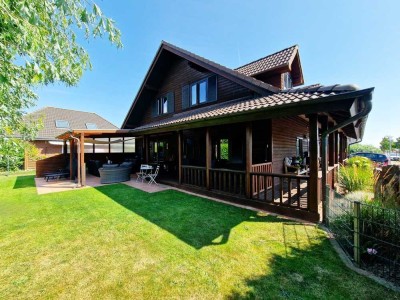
(277, 60)
(254, 84)
(76, 119)
(315, 94)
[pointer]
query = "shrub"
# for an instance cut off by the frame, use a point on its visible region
(357, 174)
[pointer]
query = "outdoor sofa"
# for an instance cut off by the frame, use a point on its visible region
(115, 173)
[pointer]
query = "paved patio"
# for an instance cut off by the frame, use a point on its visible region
(60, 185)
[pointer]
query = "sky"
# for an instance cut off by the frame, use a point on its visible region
(340, 42)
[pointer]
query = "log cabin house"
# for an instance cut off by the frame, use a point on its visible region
(228, 132)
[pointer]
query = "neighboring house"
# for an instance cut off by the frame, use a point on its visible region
(58, 120)
(230, 132)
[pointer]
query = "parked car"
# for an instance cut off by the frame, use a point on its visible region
(394, 157)
(379, 159)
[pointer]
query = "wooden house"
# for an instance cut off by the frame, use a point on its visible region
(228, 132)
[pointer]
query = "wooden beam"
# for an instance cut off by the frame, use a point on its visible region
(249, 157)
(323, 152)
(180, 157)
(71, 158)
(314, 164)
(208, 157)
(82, 158)
(336, 147)
(146, 148)
(331, 147)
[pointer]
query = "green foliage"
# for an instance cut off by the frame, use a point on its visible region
(385, 144)
(224, 146)
(364, 148)
(38, 45)
(357, 174)
(11, 154)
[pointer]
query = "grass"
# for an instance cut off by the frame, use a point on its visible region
(118, 242)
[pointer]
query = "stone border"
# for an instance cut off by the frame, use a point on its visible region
(346, 260)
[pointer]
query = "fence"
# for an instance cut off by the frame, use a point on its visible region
(369, 234)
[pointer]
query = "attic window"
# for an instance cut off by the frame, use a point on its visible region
(287, 81)
(91, 125)
(62, 124)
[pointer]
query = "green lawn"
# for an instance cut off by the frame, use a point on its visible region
(117, 242)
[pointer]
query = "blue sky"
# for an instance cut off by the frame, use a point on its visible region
(340, 42)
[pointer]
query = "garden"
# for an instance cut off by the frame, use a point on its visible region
(364, 216)
(115, 241)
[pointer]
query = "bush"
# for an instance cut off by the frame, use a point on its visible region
(357, 174)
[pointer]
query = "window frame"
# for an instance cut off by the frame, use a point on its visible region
(197, 85)
(161, 103)
(58, 125)
(287, 81)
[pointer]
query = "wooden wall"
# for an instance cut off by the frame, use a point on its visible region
(46, 149)
(50, 164)
(284, 134)
(181, 74)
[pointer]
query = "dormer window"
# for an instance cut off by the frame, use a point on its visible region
(287, 81)
(62, 124)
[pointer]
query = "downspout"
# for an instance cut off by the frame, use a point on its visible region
(79, 160)
(324, 136)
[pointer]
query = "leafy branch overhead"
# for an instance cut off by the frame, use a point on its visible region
(38, 45)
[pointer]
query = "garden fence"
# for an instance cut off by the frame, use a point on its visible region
(369, 235)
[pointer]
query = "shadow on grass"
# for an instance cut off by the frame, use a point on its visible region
(196, 221)
(309, 269)
(22, 182)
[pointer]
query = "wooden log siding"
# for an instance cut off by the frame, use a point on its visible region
(259, 185)
(181, 74)
(284, 134)
(290, 190)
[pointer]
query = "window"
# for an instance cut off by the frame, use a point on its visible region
(201, 91)
(129, 145)
(91, 125)
(287, 81)
(163, 105)
(224, 149)
(116, 145)
(62, 124)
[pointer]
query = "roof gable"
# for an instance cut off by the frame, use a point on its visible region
(160, 64)
(51, 117)
(287, 60)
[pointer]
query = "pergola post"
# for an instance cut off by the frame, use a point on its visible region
(82, 158)
(249, 158)
(180, 157)
(71, 158)
(208, 157)
(324, 127)
(314, 162)
(146, 148)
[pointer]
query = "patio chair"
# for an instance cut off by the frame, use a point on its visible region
(153, 176)
(141, 175)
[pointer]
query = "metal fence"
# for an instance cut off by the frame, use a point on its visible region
(369, 234)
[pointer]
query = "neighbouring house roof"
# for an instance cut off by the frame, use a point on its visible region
(273, 61)
(76, 120)
(315, 94)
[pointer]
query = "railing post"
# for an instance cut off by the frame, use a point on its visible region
(356, 217)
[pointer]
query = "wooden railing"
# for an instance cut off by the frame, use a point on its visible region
(282, 189)
(228, 181)
(194, 175)
(261, 185)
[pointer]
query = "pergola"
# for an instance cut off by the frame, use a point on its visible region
(77, 139)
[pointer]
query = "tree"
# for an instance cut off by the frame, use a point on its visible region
(397, 144)
(363, 148)
(38, 45)
(385, 144)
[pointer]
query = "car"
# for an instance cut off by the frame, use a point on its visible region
(394, 157)
(379, 159)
